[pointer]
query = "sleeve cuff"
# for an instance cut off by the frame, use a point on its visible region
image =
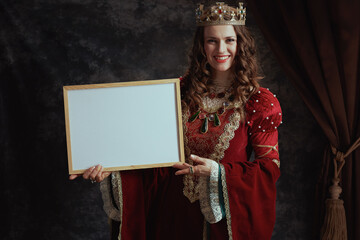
(210, 196)
(112, 209)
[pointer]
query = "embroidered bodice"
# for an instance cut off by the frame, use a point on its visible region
(203, 144)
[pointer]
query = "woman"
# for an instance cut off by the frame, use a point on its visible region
(218, 193)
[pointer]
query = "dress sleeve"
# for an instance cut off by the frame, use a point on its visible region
(263, 117)
(249, 186)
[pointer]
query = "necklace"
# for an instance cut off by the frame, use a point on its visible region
(212, 107)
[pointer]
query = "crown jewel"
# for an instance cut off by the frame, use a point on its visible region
(220, 14)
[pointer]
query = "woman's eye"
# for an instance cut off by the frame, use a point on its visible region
(231, 40)
(211, 41)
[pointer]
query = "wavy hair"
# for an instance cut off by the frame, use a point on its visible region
(196, 81)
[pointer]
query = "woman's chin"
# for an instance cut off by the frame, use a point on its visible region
(222, 69)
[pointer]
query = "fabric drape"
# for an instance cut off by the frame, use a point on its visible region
(317, 44)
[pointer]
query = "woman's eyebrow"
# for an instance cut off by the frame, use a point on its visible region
(233, 36)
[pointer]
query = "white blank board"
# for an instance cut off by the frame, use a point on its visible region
(123, 125)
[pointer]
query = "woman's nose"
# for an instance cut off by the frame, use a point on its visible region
(222, 47)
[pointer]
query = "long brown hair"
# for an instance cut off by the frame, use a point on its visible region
(198, 76)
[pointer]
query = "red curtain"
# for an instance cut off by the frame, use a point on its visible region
(317, 44)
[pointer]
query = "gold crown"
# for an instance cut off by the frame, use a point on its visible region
(220, 14)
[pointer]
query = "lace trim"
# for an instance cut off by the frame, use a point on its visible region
(205, 236)
(118, 196)
(109, 206)
(117, 182)
(228, 134)
(191, 186)
(213, 105)
(185, 118)
(191, 183)
(209, 196)
(226, 201)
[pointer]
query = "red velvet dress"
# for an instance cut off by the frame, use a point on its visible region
(156, 204)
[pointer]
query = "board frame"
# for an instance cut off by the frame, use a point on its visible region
(73, 99)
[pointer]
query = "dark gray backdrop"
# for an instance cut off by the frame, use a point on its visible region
(45, 44)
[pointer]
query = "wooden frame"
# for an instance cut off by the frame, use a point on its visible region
(122, 126)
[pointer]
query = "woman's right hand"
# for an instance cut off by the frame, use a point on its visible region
(95, 174)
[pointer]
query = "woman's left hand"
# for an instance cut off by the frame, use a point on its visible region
(203, 167)
(95, 174)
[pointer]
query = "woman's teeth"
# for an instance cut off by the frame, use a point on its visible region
(222, 58)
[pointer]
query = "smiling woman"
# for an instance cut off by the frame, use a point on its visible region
(218, 193)
(220, 49)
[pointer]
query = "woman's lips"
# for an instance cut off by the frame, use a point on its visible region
(222, 58)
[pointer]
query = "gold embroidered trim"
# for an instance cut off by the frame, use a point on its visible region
(205, 237)
(119, 184)
(191, 186)
(209, 195)
(111, 208)
(226, 201)
(185, 118)
(226, 136)
(268, 146)
(277, 162)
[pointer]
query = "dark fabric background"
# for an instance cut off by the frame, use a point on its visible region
(317, 43)
(46, 44)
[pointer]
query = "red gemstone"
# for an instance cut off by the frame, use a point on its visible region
(220, 11)
(212, 95)
(221, 111)
(202, 115)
